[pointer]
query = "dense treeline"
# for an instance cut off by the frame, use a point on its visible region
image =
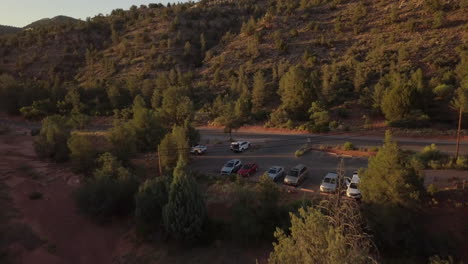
(157, 51)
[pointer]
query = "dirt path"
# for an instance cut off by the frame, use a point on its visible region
(66, 236)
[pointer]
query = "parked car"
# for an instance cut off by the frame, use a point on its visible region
(198, 149)
(240, 146)
(330, 183)
(248, 169)
(231, 167)
(296, 175)
(275, 172)
(353, 191)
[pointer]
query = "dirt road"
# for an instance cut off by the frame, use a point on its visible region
(60, 233)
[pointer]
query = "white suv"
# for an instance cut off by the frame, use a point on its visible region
(240, 146)
(352, 191)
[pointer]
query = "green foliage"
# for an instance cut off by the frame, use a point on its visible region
(185, 212)
(430, 154)
(396, 102)
(258, 92)
(391, 189)
(348, 146)
(256, 211)
(443, 90)
(123, 139)
(389, 180)
(432, 189)
(278, 118)
(38, 110)
(295, 92)
(52, 140)
(315, 237)
(147, 125)
(82, 153)
(150, 201)
(110, 192)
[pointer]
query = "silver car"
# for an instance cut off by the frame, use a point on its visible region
(330, 183)
(275, 172)
(296, 175)
(231, 167)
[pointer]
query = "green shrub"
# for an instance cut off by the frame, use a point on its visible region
(432, 189)
(52, 140)
(299, 153)
(110, 193)
(149, 203)
(443, 90)
(82, 153)
(348, 146)
(462, 162)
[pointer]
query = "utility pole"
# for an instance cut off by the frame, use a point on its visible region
(159, 163)
(460, 114)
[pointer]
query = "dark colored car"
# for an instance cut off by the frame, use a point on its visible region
(248, 169)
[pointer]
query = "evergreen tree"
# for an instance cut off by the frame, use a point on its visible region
(123, 139)
(185, 213)
(295, 92)
(150, 201)
(315, 236)
(147, 125)
(258, 93)
(389, 178)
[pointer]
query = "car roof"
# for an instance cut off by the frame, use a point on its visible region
(298, 167)
(355, 179)
(233, 160)
(276, 167)
(331, 175)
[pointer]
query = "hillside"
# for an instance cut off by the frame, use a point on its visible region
(8, 30)
(47, 22)
(349, 56)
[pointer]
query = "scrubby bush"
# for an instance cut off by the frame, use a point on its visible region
(110, 192)
(348, 146)
(432, 189)
(150, 201)
(52, 140)
(82, 153)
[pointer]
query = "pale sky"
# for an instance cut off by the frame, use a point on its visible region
(20, 13)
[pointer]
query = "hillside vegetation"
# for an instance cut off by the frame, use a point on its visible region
(299, 63)
(8, 30)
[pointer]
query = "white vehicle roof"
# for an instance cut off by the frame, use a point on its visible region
(331, 175)
(233, 160)
(355, 179)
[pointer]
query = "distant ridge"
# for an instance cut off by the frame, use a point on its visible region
(49, 21)
(9, 30)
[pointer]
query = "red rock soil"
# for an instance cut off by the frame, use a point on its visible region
(68, 236)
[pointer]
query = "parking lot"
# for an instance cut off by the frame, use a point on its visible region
(269, 150)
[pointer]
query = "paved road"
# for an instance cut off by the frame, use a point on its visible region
(278, 149)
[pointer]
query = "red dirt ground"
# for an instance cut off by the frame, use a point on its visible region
(68, 236)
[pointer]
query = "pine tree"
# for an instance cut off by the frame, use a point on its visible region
(185, 213)
(295, 92)
(258, 93)
(150, 201)
(389, 179)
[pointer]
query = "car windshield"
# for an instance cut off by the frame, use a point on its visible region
(293, 173)
(272, 171)
(353, 186)
(247, 166)
(230, 164)
(329, 180)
